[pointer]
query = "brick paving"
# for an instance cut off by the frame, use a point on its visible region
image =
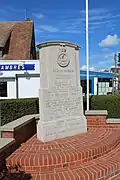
(94, 155)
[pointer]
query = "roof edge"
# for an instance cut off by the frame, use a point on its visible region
(14, 22)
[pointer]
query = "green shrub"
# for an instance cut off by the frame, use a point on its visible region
(111, 103)
(11, 109)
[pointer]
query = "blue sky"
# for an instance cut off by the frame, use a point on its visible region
(65, 20)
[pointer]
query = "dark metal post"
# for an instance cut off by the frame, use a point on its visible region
(17, 92)
(0, 116)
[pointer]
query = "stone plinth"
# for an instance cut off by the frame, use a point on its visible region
(61, 100)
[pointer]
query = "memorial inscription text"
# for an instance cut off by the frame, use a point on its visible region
(63, 99)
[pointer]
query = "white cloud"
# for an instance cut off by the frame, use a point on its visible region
(84, 67)
(94, 23)
(110, 41)
(104, 70)
(38, 30)
(106, 50)
(99, 17)
(72, 31)
(96, 11)
(108, 56)
(48, 28)
(92, 69)
(12, 9)
(102, 55)
(97, 14)
(38, 15)
(98, 68)
(104, 62)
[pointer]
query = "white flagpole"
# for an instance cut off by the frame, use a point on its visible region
(87, 54)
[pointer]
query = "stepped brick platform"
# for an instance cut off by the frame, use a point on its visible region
(94, 155)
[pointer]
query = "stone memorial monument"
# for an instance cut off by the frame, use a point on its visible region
(60, 95)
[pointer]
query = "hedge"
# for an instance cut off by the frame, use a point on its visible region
(12, 109)
(111, 103)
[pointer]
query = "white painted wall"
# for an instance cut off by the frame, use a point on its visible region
(95, 85)
(28, 87)
(11, 89)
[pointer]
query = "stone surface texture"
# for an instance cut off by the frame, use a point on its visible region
(61, 101)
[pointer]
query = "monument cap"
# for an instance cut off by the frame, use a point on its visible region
(62, 43)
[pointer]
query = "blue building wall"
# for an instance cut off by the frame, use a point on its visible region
(93, 74)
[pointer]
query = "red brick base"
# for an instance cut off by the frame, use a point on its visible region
(94, 155)
(75, 156)
(7, 134)
(98, 121)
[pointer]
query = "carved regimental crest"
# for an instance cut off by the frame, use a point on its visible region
(63, 60)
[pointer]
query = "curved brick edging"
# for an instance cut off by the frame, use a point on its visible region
(37, 157)
(103, 168)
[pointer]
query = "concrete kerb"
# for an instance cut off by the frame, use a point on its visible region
(18, 123)
(96, 112)
(103, 113)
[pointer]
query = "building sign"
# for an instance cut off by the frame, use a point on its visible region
(17, 67)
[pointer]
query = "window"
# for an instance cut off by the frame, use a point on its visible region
(110, 83)
(1, 54)
(106, 81)
(84, 86)
(3, 89)
(104, 85)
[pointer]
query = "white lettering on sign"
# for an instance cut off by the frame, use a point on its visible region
(11, 67)
(16, 67)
